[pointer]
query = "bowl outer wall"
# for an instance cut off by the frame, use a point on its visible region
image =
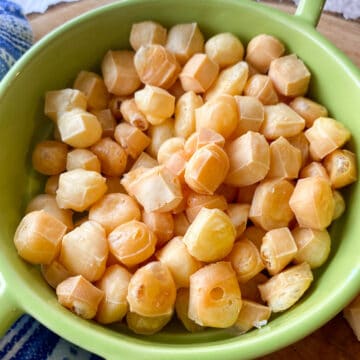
(54, 62)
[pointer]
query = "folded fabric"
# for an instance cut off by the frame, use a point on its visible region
(15, 35)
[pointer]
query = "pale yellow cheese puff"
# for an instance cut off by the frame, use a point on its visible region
(38, 237)
(238, 214)
(184, 40)
(49, 157)
(169, 147)
(113, 210)
(341, 167)
(79, 189)
(144, 160)
(114, 283)
(252, 315)
(312, 203)
(262, 50)
(177, 258)
(82, 159)
(146, 325)
(290, 75)
(313, 246)
(286, 288)
(112, 156)
(215, 298)
(325, 136)
(314, 169)
(48, 203)
(225, 49)
(278, 249)
(301, 142)
(308, 109)
(270, 207)
(60, 101)
(133, 115)
(158, 134)
(211, 235)
(219, 114)
(84, 250)
(261, 87)
(339, 204)
(93, 87)
(147, 32)
(119, 72)
(207, 169)
(161, 224)
(245, 260)
(182, 309)
(152, 290)
(249, 157)
(54, 273)
(132, 242)
(80, 296)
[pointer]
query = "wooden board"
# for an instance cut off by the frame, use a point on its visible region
(335, 340)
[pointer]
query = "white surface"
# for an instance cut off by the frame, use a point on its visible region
(39, 6)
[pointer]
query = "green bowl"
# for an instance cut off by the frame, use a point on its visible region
(54, 62)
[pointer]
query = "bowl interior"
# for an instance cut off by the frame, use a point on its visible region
(54, 63)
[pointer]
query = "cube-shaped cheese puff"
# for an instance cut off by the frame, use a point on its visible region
(185, 113)
(185, 40)
(182, 310)
(93, 86)
(59, 101)
(249, 158)
(261, 87)
(106, 120)
(286, 288)
(251, 315)
(152, 290)
(80, 296)
(209, 136)
(225, 49)
(176, 163)
(308, 109)
(313, 246)
(156, 66)
(82, 159)
(270, 206)
(262, 50)
(251, 115)
(147, 32)
(119, 72)
(230, 81)
(301, 142)
(157, 189)
(325, 136)
(79, 189)
(132, 140)
(211, 235)
(198, 73)
(114, 283)
(157, 104)
(250, 291)
(38, 237)
(144, 160)
(219, 114)
(341, 167)
(161, 224)
(207, 169)
(289, 75)
(339, 204)
(158, 134)
(238, 214)
(352, 316)
(215, 297)
(177, 258)
(285, 159)
(312, 203)
(133, 115)
(54, 273)
(245, 260)
(170, 147)
(129, 177)
(314, 169)
(281, 120)
(278, 249)
(84, 250)
(112, 156)
(195, 202)
(79, 128)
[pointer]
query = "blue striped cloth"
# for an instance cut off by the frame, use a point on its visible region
(27, 339)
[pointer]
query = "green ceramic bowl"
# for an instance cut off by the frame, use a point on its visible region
(53, 63)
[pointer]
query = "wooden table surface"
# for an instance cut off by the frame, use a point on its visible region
(335, 340)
